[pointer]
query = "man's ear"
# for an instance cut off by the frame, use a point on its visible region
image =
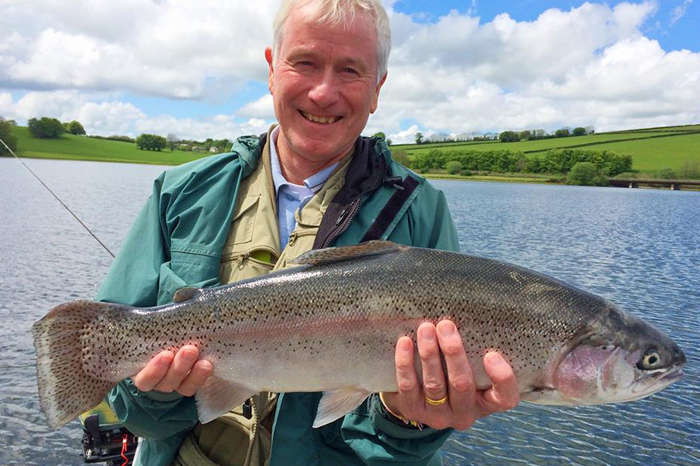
(375, 102)
(271, 71)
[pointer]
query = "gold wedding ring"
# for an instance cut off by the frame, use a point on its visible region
(439, 402)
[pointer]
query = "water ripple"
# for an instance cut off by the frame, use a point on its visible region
(639, 248)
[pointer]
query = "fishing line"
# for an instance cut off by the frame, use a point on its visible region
(58, 199)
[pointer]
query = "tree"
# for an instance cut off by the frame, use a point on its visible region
(691, 169)
(585, 174)
(173, 141)
(419, 138)
(223, 145)
(74, 127)
(509, 136)
(562, 133)
(389, 142)
(667, 174)
(580, 131)
(6, 134)
(45, 128)
(401, 156)
(379, 134)
(151, 142)
(453, 168)
(525, 135)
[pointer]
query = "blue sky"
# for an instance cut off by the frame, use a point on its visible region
(672, 33)
(197, 69)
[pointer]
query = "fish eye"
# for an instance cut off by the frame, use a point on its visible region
(650, 360)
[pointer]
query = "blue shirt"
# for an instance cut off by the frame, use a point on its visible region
(289, 196)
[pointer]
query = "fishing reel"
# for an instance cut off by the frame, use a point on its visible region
(105, 440)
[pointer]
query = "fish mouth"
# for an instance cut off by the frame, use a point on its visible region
(672, 375)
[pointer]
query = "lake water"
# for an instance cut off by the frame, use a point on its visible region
(639, 248)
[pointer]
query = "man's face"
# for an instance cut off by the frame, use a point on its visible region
(324, 86)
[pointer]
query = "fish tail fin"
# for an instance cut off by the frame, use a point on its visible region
(66, 390)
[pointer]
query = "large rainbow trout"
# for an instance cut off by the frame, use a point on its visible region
(332, 324)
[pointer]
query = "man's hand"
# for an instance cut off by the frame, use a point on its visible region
(464, 404)
(168, 372)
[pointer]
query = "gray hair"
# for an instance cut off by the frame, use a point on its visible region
(336, 12)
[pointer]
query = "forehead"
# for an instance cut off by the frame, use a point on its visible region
(303, 32)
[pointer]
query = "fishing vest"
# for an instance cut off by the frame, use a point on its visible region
(242, 437)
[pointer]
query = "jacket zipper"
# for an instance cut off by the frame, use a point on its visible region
(347, 215)
(343, 223)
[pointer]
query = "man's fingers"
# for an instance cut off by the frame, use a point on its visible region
(181, 366)
(406, 376)
(434, 385)
(409, 396)
(459, 372)
(503, 394)
(195, 379)
(155, 370)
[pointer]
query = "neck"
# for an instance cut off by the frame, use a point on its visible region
(296, 169)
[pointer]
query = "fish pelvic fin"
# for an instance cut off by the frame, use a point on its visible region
(66, 389)
(337, 403)
(342, 253)
(218, 396)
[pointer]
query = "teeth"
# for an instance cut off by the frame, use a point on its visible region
(320, 119)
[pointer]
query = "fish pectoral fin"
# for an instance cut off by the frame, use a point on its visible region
(337, 403)
(337, 254)
(185, 294)
(218, 396)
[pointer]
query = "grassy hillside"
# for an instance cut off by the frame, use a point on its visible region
(71, 147)
(652, 149)
(657, 153)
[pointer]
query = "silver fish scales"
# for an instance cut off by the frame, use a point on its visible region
(332, 324)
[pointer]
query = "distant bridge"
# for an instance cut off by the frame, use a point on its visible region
(636, 182)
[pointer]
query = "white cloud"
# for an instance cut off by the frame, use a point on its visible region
(405, 136)
(588, 65)
(101, 117)
(679, 11)
(261, 108)
(172, 48)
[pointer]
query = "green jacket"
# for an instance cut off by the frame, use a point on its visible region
(177, 241)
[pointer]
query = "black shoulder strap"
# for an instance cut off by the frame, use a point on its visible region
(388, 213)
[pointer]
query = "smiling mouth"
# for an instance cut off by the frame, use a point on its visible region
(320, 119)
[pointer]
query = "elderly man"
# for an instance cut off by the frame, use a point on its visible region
(310, 182)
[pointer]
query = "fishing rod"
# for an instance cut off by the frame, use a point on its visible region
(57, 198)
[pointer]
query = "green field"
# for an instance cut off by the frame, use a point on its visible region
(655, 154)
(531, 146)
(652, 149)
(71, 147)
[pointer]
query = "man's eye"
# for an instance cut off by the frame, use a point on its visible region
(350, 70)
(305, 63)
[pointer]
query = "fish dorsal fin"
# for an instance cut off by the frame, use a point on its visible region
(337, 403)
(185, 294)
(337, 254)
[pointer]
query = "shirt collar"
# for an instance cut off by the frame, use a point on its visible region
(314, 182)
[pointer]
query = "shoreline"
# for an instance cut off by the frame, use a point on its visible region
(550, 180)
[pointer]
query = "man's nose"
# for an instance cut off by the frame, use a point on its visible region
(325, 90)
